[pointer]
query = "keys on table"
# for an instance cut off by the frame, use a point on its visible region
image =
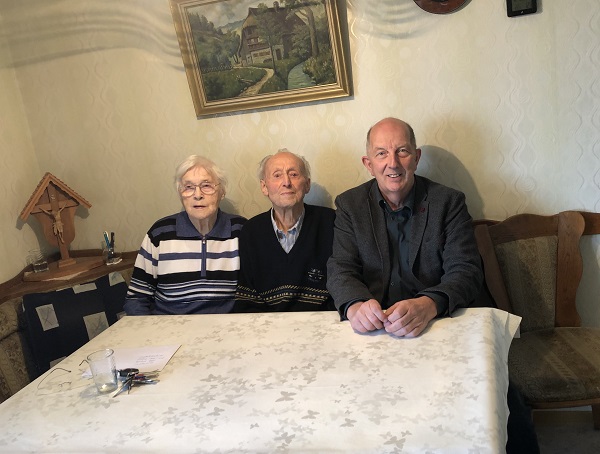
(133, 377)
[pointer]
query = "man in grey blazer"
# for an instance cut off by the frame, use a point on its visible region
(404, 253)
(403, 250)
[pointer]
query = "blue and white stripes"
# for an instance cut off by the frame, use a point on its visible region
(179, 271)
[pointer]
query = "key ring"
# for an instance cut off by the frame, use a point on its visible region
(134, 377)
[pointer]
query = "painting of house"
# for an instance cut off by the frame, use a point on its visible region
(242, 54)
(255, 47)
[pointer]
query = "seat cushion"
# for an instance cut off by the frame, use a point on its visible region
(60, 322)
(14, 370)
(556, 365)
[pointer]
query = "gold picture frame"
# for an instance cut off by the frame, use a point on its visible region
(242, 54)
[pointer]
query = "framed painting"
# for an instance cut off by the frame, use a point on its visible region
(245, 54)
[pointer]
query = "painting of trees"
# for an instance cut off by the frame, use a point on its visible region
(270, 27)
(304, 9)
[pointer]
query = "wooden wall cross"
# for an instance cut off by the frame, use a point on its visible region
(53, 204)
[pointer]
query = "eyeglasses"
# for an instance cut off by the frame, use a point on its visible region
(206, 188)
(59, 380)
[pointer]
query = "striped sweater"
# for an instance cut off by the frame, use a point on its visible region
(180, 271)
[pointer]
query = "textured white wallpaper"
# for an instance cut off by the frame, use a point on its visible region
(506, 110)
(18, 168)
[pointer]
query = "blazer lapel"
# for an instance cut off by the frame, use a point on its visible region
(379, 229)
(419, 220)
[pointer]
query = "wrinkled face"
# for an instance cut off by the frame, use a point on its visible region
(392, 160)
(284, 183)
(200, 206)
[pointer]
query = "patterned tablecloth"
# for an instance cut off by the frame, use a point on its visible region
(281, 382)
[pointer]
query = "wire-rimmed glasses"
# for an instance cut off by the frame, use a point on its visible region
(206, 188)
(59, 380)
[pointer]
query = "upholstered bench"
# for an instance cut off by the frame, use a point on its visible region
(14, 370)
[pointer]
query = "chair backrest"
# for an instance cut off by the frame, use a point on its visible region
(533, 267)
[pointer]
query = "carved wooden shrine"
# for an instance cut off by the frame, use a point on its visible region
(53, 204)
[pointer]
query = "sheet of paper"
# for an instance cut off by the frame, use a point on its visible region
(146, 359)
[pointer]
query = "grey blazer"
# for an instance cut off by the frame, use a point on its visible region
(443, 255)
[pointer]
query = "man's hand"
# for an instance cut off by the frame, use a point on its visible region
(410, 317)
(366, 316)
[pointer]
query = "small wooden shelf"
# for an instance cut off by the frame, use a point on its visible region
(19, 286)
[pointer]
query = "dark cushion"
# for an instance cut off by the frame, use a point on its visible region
(60, 322)
(554, 365)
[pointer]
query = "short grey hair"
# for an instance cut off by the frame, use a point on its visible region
(304, 165)
(193, 161)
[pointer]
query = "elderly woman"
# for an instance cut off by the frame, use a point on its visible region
(188, 262)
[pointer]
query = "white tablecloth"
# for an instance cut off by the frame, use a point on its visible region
(281, 382)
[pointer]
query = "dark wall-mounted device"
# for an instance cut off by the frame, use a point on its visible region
(520, 7)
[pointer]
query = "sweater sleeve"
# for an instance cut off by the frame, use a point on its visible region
(246, 295)
(140, 295)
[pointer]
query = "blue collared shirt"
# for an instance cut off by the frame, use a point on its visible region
(287, 240)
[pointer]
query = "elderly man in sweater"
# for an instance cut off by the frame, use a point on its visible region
(284, 251)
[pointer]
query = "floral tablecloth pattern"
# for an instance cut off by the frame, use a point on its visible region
(280, 382)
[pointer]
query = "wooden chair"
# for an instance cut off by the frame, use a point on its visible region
(532, 268)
